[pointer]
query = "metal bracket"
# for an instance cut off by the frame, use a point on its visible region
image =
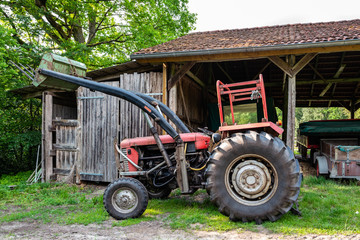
(95, 97)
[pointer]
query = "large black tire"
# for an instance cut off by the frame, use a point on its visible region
(253, 177)
(126, 198)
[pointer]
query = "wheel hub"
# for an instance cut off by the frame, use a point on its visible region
(125, 200)
(251, 179)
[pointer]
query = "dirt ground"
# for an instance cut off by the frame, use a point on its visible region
(152, 230)
(145, 231)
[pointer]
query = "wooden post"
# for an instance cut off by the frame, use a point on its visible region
(47, 160)
(164, 85)
(172, 99)
(285, 110)
(173, 102)
(290, 133)
(352, 110)
(78, 160)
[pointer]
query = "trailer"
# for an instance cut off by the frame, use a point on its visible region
(334, 147)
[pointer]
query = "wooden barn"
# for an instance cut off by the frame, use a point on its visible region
(303, 65)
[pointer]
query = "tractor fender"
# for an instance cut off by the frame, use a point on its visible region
(323, 164)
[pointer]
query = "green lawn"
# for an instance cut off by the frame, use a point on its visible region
(328, 207)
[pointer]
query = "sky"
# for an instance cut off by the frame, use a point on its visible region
(232, 14)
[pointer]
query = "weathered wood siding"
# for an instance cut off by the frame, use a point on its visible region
(64, 112)
(99, 121)
(132, 121)
(191, 103)
(65, 146)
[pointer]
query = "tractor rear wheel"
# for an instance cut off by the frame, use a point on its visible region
(253, 177)
(126, 198)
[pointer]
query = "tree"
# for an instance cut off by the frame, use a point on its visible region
(97, 32)
(19, 119)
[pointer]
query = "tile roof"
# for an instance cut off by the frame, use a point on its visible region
(260, 37)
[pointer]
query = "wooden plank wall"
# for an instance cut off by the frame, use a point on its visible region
(64, 112)
(99, 121)
(191, 103)
(132, 122)
(66, 147)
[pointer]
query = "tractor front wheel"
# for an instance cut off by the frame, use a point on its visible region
(125, 198)
(253, 177)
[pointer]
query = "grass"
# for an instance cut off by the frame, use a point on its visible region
(328, 207)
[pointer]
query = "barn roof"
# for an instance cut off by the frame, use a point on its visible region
(257, 39)
(113, 72)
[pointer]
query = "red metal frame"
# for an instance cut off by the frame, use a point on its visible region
(241, 91)
(201, 140)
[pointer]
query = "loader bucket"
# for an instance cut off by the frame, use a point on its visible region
(59, 64)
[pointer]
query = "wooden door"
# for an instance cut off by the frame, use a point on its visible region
(99, 121)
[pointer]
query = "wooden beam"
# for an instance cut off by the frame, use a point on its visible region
(47, 165)
(290, 134)
(325, 99)
(184, 103)
(250, 54)
(196, 79)
(179, 74)
(352, 110)
(303, 62)
(285, 77)
(311, 92)
(337, 74)
(226, 74)
(164, 85)
(284, 66)
(332, 93)
(325, 90)
(261, 70)
(317, 73)
(285, 111)
(289, 70)
(317, 81)
(340, 71)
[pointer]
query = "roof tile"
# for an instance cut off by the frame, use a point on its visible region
(261, 36)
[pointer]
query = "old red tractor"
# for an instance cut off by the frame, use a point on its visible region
(251, 175)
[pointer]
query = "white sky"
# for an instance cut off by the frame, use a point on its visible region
(232, 14)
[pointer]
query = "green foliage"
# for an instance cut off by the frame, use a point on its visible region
(19, 119)
(309, 114)
(98, 33)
